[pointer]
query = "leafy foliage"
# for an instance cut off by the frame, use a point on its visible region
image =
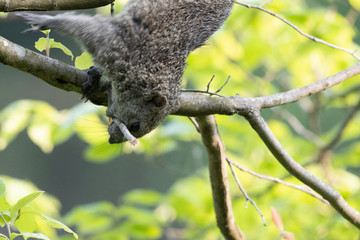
(24, 216)
(263, 56)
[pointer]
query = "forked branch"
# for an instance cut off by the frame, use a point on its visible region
(328, 193)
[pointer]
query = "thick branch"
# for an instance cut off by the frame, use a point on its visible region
(52, 71)
(50, 5)
(328, 193)
(68, 78)
(218, 177)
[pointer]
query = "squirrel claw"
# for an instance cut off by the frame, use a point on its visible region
(92, 83)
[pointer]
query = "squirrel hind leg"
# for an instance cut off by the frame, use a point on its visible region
(92, 84)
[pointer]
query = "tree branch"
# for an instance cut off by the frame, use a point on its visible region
(52, 71)
(323, 151)
(69, 78)
(328, 193)
(50, 5)
(218, 177)
(247, 197)
(302, 188)
(315, 39)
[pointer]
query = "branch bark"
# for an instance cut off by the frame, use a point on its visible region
(327, 192)
(69, 78)
(218, 177)
(50, 5)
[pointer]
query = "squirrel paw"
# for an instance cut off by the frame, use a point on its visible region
(92, 84)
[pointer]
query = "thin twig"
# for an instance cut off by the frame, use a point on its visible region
(299, 127)
(244, 192)
(208, 85)
(336, 139)
(196, 125)
(6, 224)
(347, 92)
(201, 91)
(227, 80)
(334, 197)
(302, 188)
(125, 131)
(315, 39)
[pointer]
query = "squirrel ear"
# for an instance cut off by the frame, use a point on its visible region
(160, 101)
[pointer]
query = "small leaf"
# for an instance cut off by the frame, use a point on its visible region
(26, 221)
(56, 224)
(29, 235)
(2, 236)
(41, 44)
(5, 215)
(23, 202)
(46, 32)
(60, 46)
(355, 4)
(143, 197)
(2, 187)
(277, 219)
(84, 61)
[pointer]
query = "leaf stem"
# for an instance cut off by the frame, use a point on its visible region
(6, 224)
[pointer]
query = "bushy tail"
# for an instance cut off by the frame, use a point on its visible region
(88, 29)
(39, 22)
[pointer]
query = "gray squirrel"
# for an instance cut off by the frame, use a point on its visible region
(143, 52)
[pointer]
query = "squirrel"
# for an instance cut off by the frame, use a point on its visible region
(142, 51)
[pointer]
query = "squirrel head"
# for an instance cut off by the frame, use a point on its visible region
(140, 114)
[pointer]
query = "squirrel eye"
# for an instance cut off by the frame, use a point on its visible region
(134, 127)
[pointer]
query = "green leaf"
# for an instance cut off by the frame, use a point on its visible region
(2, 187)
(84, 61)
(6, 216)
(2, 236)
(355, 4)
(56, 224)
(93, 218)
(29, 235)
(60, 46)
(143, 197)
(14, 210)
(13, 119)
(26, 221)
(42, 44)
(101, 153)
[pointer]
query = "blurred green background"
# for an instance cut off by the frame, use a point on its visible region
(60, 144)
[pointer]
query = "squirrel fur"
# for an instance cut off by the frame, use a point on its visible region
(142, 51)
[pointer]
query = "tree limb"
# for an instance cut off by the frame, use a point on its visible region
(302, 188)
(218, 177)
(52, 71)
(69, 78)
(50, 5)
(328, 193)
